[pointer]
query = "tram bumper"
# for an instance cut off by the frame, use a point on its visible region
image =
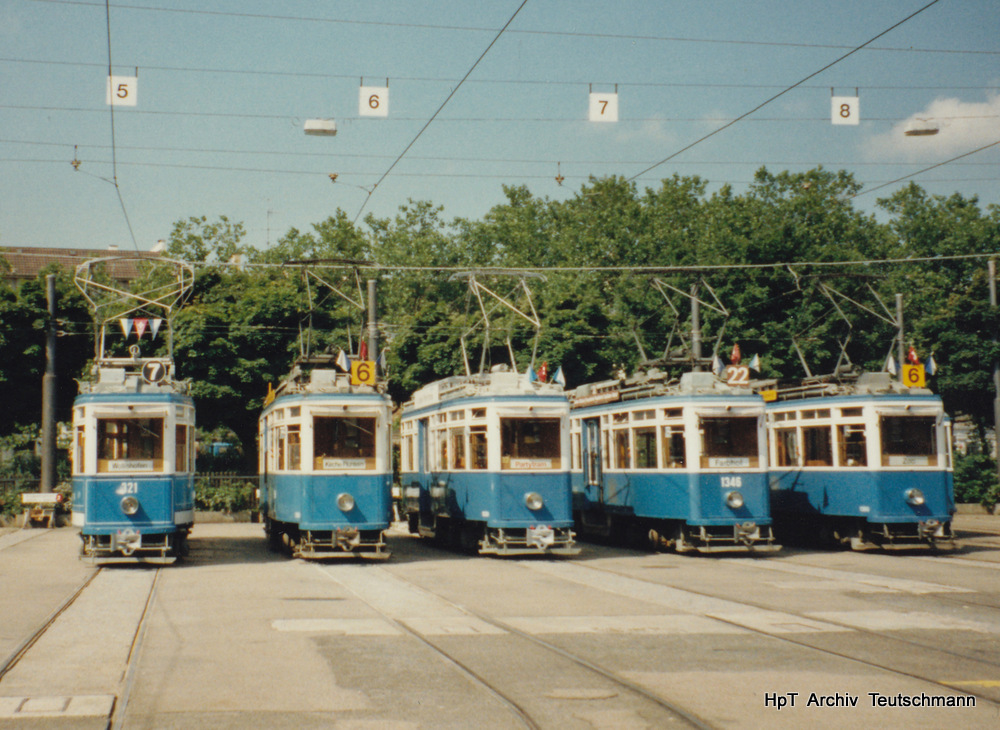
(743, 536)
(342, 543)
(541, 540)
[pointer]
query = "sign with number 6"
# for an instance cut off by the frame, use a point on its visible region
(373, 101)
(363, 372)
(844, 110)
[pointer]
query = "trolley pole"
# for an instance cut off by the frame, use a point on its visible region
(996, 369)
(49, 394)
(372, 322)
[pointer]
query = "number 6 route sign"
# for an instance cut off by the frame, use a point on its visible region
(373, 101)
(913, 376)
(363, 372)
(122, 90)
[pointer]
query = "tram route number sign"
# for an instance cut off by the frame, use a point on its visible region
(363, 372)
(914, 376)
(153, 372)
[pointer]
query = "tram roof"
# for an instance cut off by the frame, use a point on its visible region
(483, 388)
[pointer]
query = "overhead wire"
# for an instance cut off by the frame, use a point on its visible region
(522, 31)
(783, 92)
(435, 114)
(114, 153)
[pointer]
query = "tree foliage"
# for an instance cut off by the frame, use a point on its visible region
(774, 256)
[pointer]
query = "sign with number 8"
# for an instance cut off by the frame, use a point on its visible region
(844, 110)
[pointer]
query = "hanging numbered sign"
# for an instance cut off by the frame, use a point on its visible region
(122, 90)
(844, 110)
(373, 101)
(363, 372)
(603, 107)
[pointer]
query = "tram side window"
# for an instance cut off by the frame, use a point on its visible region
(457, 448)
(852, 444)
(575, 456)
(137, 441)
(294, 448)
(645, 448)
(343, 442)
(477, 447)
(79, 451)
(530, 443)
(787, 445)
(407, 453)
(908, 441)
(726, 441)
(673, 446)
(622, 452)
(180, 449)
(817, 447)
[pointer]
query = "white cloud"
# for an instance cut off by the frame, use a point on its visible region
(962, 127)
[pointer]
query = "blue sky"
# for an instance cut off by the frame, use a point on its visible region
(224, 88)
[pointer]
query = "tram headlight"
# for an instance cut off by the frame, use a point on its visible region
(533, 501)
(915, 497)
(345, 502)
(130, 505)
(734, 500)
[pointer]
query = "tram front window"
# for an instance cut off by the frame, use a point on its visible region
(343, 443)
(129, 444)
(908, 441)
(729, 442)
(530, 443)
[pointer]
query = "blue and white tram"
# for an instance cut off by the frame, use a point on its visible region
(326, 464)
(485, 464)
(133, 463)
(864, 463)
(682, 463)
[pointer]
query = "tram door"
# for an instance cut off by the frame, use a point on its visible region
(593, 480)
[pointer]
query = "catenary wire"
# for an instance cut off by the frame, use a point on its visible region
(783, 92)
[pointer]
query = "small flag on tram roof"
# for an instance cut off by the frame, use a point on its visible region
(343, 361)
(755, 363)
(559, 377)
(931, 366)
(890, 365)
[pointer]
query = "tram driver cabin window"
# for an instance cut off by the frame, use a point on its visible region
(908, 441)
(129, 444)
(530, 443)
(343, 443)
(729, 442)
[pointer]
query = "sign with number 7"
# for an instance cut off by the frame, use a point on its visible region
(603, 107)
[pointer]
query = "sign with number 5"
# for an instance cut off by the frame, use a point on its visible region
(122, 90)
(844, 110)
(373, 101)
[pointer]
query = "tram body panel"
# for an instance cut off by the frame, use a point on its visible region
(685, 464)
(310, 501)
(325, 467)
(870, 467)
(451, 446)
(133, 463)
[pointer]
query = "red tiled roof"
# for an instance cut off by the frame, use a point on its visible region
(26, 263)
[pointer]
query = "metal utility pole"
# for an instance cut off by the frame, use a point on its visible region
(900, 349)
(695, 328)
(49, 394)
(996, 368)
(372, 322)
